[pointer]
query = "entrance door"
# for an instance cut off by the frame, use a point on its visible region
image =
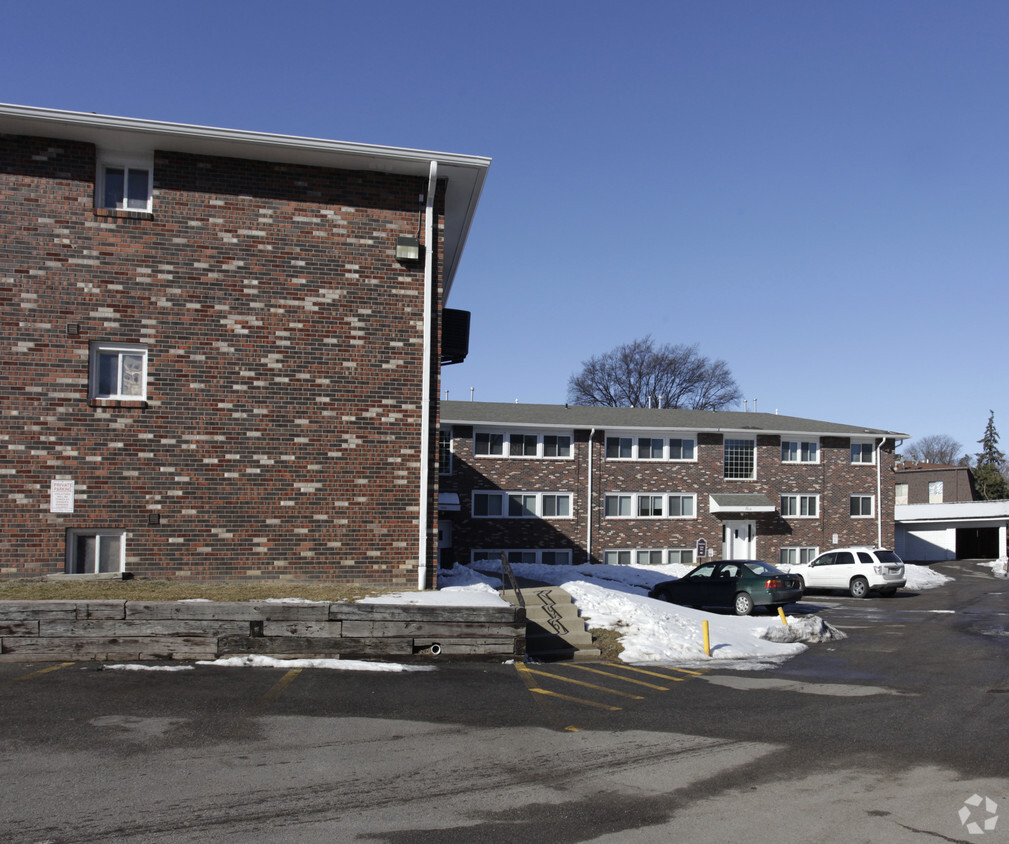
(445, 543)
(739, 540)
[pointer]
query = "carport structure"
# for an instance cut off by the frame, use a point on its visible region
(955, 530)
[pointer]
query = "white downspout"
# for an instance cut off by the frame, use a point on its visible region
(879, 493)
(425, 416)
(588, 499)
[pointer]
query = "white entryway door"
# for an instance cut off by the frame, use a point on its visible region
(739, 540)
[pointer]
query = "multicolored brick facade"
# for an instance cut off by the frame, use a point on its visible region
(280, 434)
(825, 484)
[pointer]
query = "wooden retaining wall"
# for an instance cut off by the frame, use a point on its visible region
(40, 631)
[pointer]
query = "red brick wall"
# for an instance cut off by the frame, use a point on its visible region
(281, 432)
(834, 479)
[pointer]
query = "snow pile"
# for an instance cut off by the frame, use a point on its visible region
(810, 628)
(256, 661)
(616, 598)
(920, 578)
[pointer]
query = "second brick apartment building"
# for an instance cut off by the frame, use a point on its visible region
(558, 484)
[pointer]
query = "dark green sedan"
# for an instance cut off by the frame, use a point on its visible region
(739, 585)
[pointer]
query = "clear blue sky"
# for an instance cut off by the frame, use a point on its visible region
(815, 192)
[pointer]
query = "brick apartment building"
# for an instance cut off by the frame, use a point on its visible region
(219, 361)
(558, 484)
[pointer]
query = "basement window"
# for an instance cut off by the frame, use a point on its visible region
(96, 552)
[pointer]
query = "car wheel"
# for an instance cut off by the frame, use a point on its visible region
(663, 596)
(859, 587)
(743, 604)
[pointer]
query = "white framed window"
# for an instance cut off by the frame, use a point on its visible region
(800, 451)
(95, 551)
(556, 445)
(861, 506)
(800, 506)
(653, 447)
(740, 459)
(618, 506)
(684, 556)
(125, 182)
(682, 506)
(555, 505)
(522, 444)
(488, 444)
(118, 371)
(546, 557)
(863, 452)
(900, 494)
(935, 492)
(650, 505)
(797, 556)
(445, 451)
(648, 556)
(521, 505)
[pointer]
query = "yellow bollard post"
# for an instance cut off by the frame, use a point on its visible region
(707, 640)
(781, 614)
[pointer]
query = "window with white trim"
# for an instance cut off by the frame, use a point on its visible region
(444, 451)
(650, 448)
(800, 506)
(800, 451)
(900, 494)
(797, 556)
(546, 557)
(935, 492)
(648, 505)
(863, 452)
(649, 556)
(118, 371)
(95, 551)
(740, 459)
(125, 182)
(521, 505)
(521, 444)
(861, 506)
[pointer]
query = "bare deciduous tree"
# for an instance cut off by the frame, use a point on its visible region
(640, 373)
(935, 448)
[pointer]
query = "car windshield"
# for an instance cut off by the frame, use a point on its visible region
(888, 557)
(761, 569)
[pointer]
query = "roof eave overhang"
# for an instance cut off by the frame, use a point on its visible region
(464, 174)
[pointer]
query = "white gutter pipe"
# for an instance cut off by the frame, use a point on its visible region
(879, 493)
(425, 402)
(588, 537)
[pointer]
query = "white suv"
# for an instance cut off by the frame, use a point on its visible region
(858, 570)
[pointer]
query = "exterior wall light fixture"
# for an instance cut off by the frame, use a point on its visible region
(407, 249)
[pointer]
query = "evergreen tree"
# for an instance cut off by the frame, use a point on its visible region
(988, 478)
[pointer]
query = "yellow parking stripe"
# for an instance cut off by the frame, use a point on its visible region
(43, 671)
(537, 690)
(594, 686)
(655, 673)
(613, 676)
(281, 684)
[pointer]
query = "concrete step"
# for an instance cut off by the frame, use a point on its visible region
(554, 628)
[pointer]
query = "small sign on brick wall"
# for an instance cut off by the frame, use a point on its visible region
(61, 496)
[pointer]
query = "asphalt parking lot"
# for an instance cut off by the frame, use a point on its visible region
(884, 735)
